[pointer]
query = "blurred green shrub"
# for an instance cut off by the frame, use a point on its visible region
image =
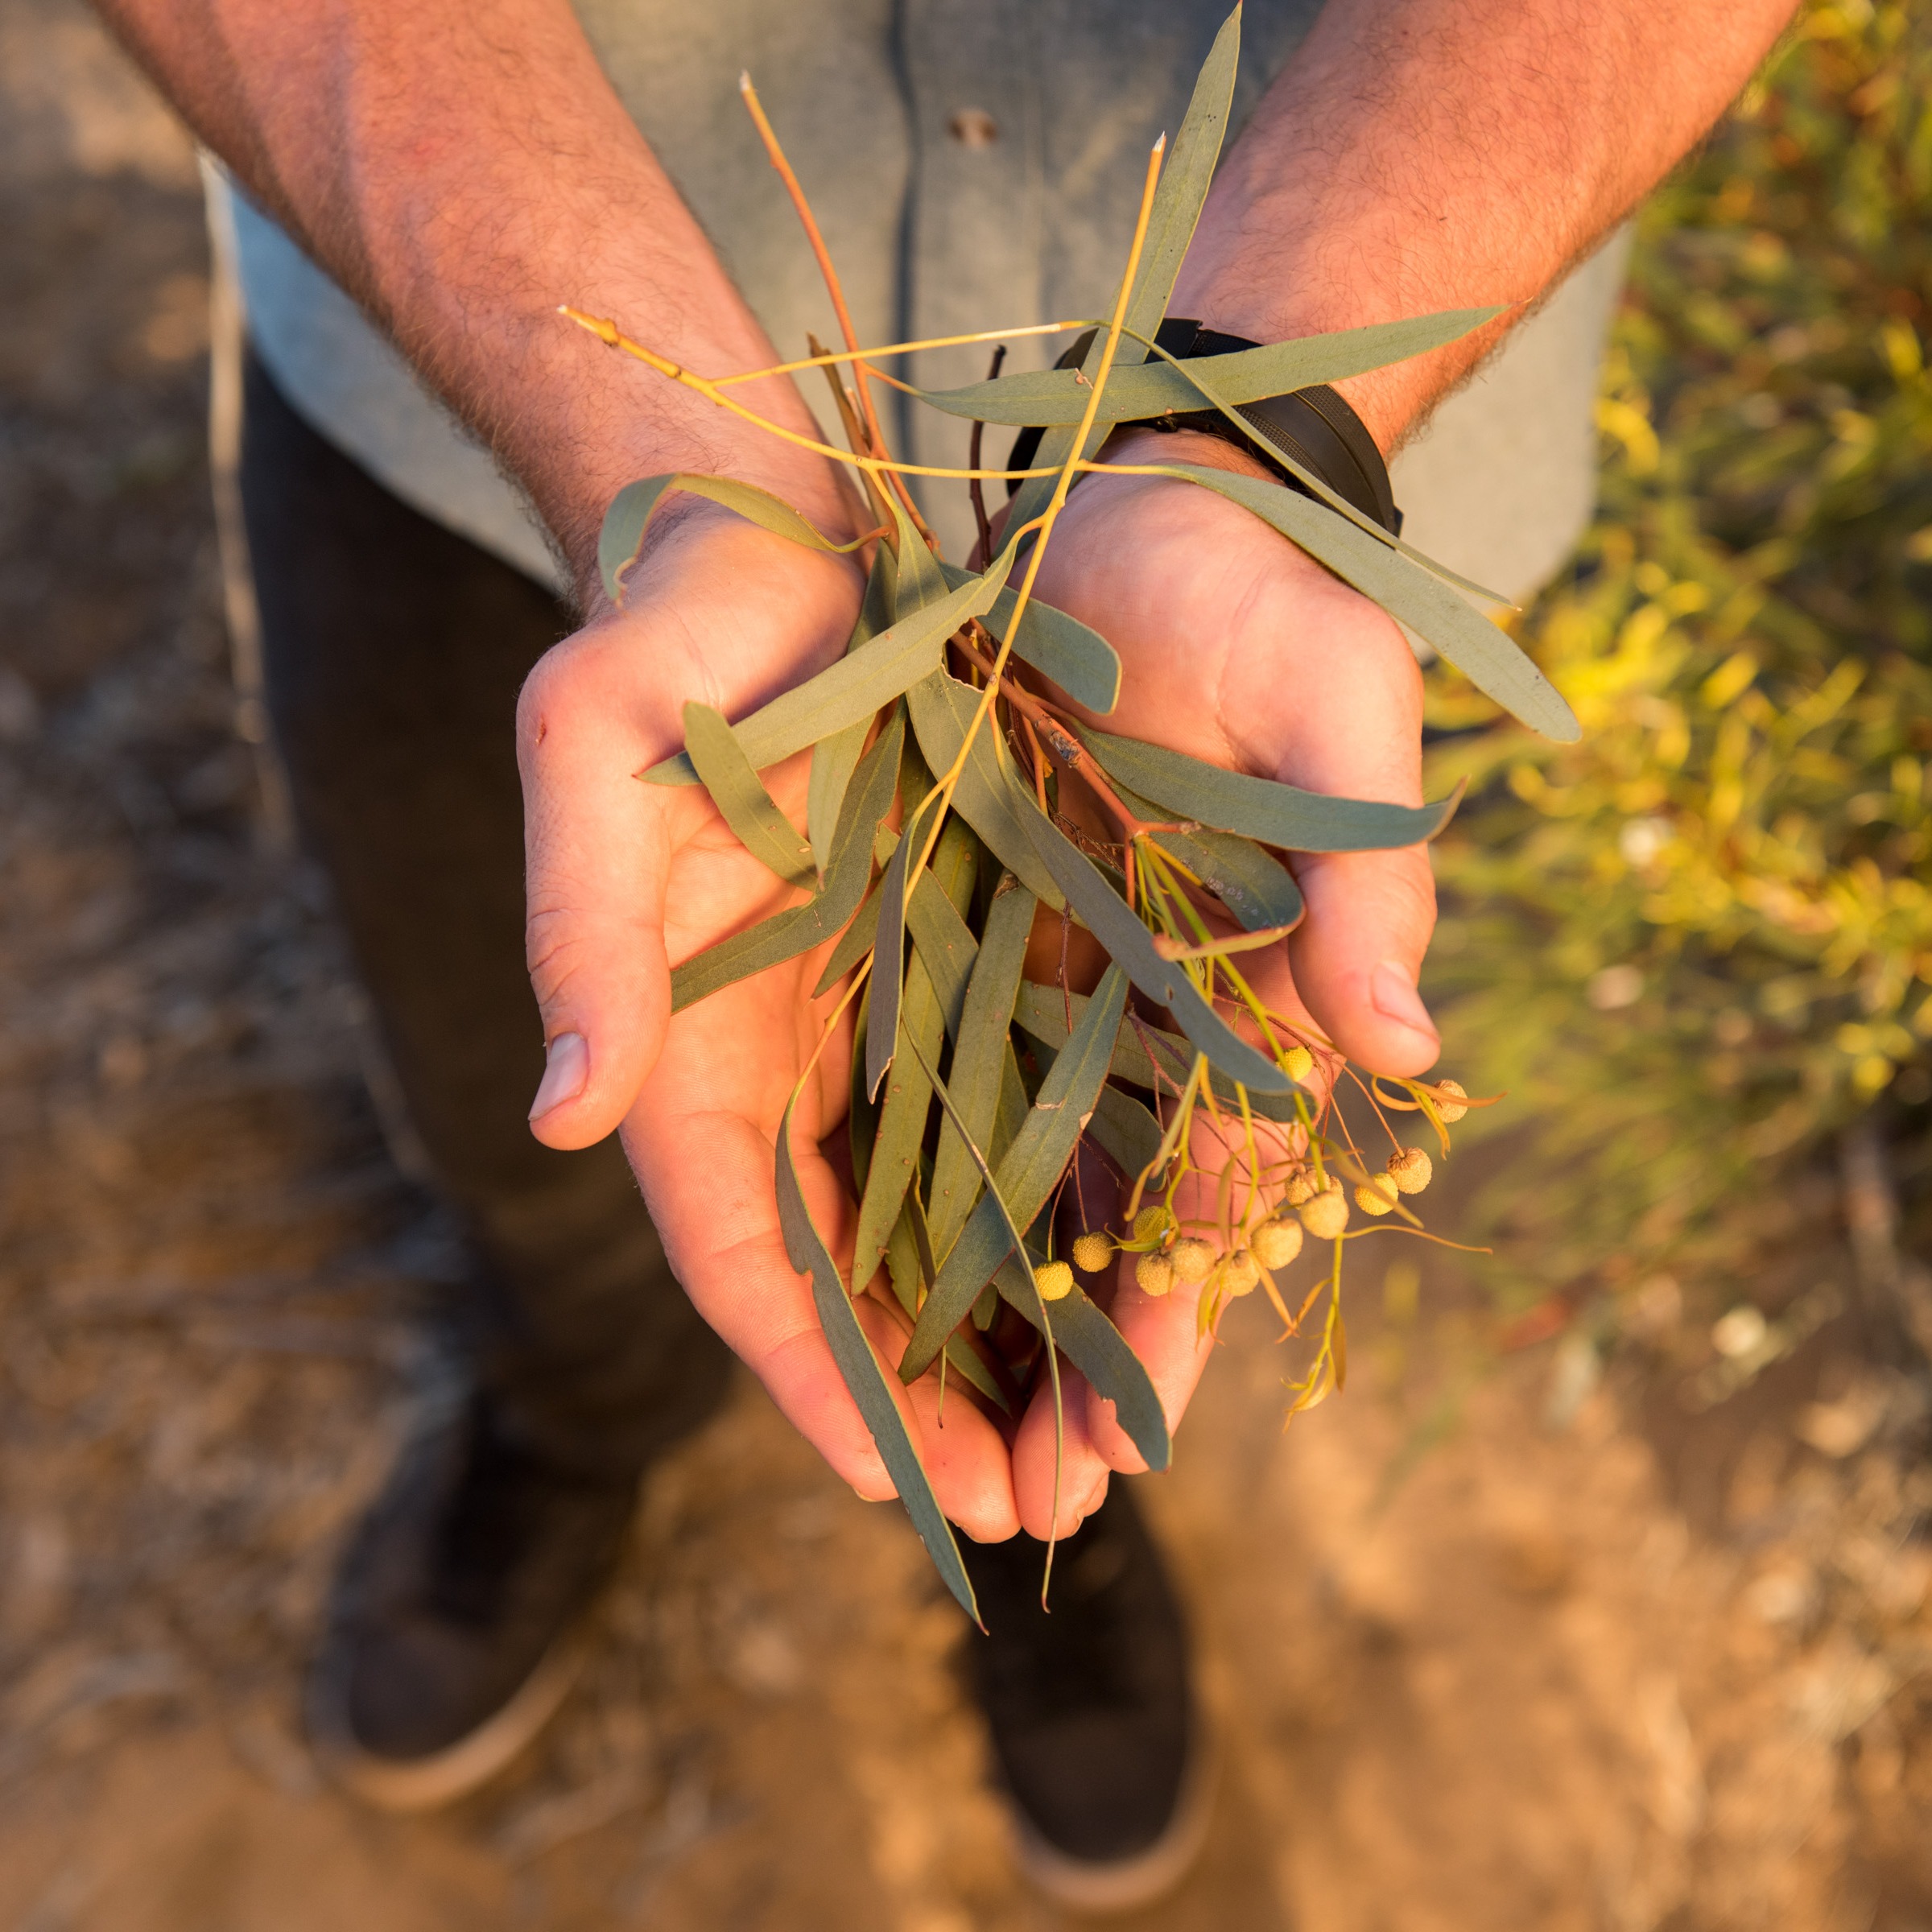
(1698, 942)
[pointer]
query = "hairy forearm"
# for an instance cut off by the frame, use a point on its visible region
(1426, 155)
(462, 166)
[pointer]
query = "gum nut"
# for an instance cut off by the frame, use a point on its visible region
(1411, 1170)
(1301, 1188)
(1451, 1108)
(1297, 1063)
(1091, 1252)
(1150, 1224)
(1153, 1274)
(1327, 1214)
(1376, 1196)
(1241, 1272)
(1192, 1259)
(1054, 1279)
(1277, 1243)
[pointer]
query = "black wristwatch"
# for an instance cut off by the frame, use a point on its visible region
(1315, 426)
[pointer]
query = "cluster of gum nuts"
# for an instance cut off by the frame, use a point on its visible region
(1311, 1202)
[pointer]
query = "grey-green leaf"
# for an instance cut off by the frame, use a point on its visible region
(739, 794)
(632, 508)
(1137, 1049)
(1056, 396)
(1081, 662)
(987, 797)
(853, 689)
(905, 1269)
(1260, 808)
(864, 1377)
(1486, 657)
(1130, 945)
(1099, 1351)
(834, 759)
(787, 934)
(979, 1060)
(1027, 1176)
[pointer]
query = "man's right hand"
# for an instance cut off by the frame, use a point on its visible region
(626, 879)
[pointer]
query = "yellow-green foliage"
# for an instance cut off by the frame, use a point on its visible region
(1698, 942)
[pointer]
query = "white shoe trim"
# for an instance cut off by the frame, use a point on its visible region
(425, 1783)
(1126, 1884)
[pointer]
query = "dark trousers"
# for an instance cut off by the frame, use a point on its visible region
(393, 651)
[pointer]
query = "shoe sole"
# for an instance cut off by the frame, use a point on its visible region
(427, 1784)
(1126, 1884)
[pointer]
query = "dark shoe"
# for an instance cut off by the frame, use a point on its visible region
(1099, 1740)
(452, 1631)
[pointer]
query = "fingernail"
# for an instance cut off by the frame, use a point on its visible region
(1396, 998)
(566, 1069)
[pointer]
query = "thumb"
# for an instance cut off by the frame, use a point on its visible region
(1358, 954)
(597, 847)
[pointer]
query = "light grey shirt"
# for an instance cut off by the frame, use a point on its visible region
(974, 164)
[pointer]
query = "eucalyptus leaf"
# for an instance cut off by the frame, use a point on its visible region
(905, 1270)
(1081, 662)
(835, 758)
(1260, 808)
(921, 1019)
(1130, 945)
(864, 1376)
(1057, 397)
(787, 934)
(1138, 1048)
(632, 508)
(854, 943)
(1027, 1177)
(740, 795)
(980, 1057)
(1252, 883)
(1099, 1351)
(853, 689)
(919, 581)
(888, 959)
(1488, 658)
(988, 796)
(945, 944)
(1126, 1131)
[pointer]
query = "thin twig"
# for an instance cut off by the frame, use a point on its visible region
(874, 436)
(972, 457)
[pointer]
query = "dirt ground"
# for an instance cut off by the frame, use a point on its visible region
(1620, 1650)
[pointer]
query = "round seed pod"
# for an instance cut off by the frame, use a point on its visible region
(1377, 1196)
(1150, 1224)
(1451, 1109)
(1301, 1188)
(1054, 1279)
(1326, 1214)
(1241, 1272)
(1192, 1258)
(1153, 1273)
(1092, 1252)
(1411, 1170)
(1277, 1243)
(1297, 1063)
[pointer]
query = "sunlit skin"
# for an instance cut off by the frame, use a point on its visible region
(463, 165)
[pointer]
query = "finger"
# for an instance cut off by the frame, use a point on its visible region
(597, 846)
(1163, 1331)
(1082, 1474)
(1358, 955)
(1357, 734)
(965, 1454)
(706, 1166)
